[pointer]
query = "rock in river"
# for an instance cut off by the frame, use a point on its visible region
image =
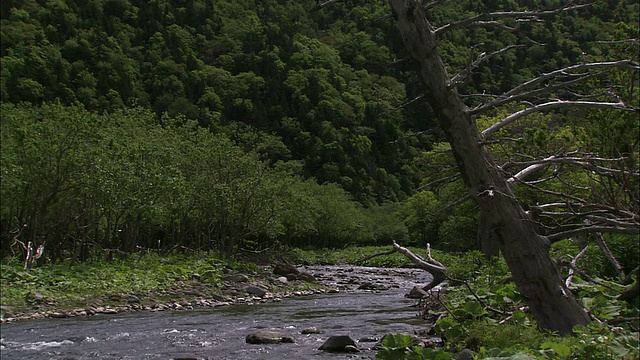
(339, 343)
(310, 330)
(267, 337)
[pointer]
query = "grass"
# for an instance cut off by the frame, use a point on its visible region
(77, 283)
(73, 285)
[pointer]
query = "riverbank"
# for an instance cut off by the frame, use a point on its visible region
(152, 282)
(187, 294)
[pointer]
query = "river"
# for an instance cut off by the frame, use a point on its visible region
(219, 333)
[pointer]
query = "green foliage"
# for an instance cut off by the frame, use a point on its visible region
(486, 315)
(258, 63)
(82, 184)
(405, 347)
(73, 283)
(353, 255)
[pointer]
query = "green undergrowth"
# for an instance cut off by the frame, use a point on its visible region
(352, 256)
(74, 283)
(481, 310)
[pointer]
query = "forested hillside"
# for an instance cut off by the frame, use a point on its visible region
(227, 124)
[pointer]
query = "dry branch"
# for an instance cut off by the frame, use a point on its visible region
(609, 255)
(518, 15)
(574, 261)
(549, 82)
(432, 266)
(554, 105)
(462, 76)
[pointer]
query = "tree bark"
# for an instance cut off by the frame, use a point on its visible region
(525, 251)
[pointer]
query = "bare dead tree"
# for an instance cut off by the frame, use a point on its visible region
(522, 239)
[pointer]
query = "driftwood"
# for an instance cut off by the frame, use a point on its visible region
(432, 266)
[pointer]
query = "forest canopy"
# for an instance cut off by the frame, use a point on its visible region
(242, 124)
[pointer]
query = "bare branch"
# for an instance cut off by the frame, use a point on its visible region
(553, 105)
(432, 4)
(586, 162)
(574, 261)
(320, 5)
(462, 76)
(609, 255)
(366, 258)
(419, 97)
(592, 229)
(456, 203)
(439, 181)
(528, 171)
(516, 93)
(631, 41)
(519, 15)
(417, 133)
(432, 266)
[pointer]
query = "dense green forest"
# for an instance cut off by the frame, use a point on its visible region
(228, 125)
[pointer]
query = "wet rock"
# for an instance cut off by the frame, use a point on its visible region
(217, 297)
(372, 286)
(267, 337)
(109, 310)
(310, 330)
(236, 278)
(351, 348)
(368, 339)
(291, 277)
(192, 292)
(254, 290)
(116, 297)
(285, 269)
(339, 343)
(305, 276)
(58, 314)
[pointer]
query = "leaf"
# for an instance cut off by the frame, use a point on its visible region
(474, 309)
(520, 317)
(560, 349)
(518, 356)
(397, 341)
(391, 354)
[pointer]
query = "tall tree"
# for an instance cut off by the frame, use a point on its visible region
(525, 250)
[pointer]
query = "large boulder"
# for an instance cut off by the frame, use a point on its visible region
(339, 343)
(267, 337)
(284, 269)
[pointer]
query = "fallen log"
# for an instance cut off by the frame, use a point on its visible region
(431, 265)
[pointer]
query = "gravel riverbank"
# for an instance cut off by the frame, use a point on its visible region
(183, 295)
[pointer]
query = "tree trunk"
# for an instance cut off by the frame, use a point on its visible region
(486, 239)
(525, 251)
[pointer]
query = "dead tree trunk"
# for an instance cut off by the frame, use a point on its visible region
(525, 251)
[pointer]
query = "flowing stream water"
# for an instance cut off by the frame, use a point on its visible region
(219, 333)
